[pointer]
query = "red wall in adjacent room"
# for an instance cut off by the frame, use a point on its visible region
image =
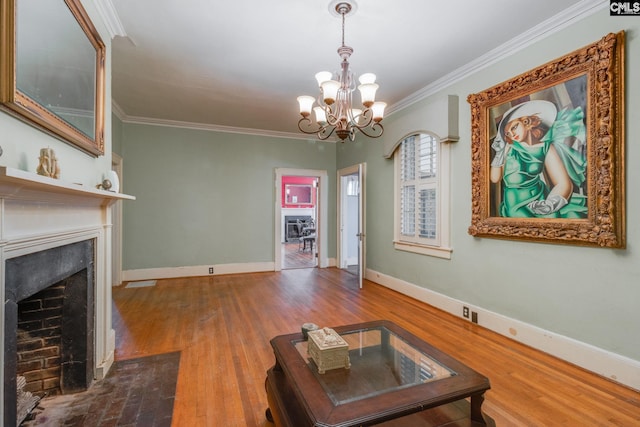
(299, 180)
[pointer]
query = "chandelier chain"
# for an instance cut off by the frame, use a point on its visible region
(342, 13)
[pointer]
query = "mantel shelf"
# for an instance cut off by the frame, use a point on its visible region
(18, 184)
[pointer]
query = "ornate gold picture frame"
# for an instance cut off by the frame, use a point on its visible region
(52, 70)
(548, 151)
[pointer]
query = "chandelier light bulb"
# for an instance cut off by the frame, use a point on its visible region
(330, 91)
(378, 111)
(368, 93)
(321, 116)
(323, 76)
(367, 78)
(306, 102)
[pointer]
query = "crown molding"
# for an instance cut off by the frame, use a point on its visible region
(118, 111)
(543, 30)
(110, 17)
(552, 25)
(207, 126)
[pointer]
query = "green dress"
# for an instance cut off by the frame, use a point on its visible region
(524, 166)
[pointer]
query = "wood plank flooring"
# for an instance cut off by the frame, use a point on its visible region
(295, 256)
(223, 324)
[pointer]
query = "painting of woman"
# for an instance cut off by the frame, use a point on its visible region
(540, 172)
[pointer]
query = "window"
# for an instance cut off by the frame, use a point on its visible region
(422, 195)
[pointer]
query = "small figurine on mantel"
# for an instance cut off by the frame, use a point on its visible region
(48, 163)
(104, 185)
(110, 183)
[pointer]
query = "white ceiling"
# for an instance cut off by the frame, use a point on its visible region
(240, 64)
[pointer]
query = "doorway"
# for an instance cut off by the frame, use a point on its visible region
(300, 222)
(351, 220)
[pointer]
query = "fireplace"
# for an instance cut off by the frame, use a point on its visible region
(49, 322)
(291, 226)
(55, 276)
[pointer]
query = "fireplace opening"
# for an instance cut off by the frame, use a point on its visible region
(291, 226)
(49, 325)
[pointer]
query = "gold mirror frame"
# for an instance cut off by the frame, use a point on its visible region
(604, 223)
(17, 103)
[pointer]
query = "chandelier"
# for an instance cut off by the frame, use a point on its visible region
(334, 112)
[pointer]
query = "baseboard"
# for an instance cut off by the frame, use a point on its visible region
(203, 270)
(103, 368)
(615, 367)
(196, 270)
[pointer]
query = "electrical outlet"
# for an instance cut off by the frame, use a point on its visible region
(474, 317)
(210, 270)
(465, 312)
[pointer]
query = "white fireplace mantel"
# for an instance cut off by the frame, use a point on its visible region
(18, 184)
(39, 213)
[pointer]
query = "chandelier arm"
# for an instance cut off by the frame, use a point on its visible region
(367, 116)
(350, 116)
(322, 133)
(320, 100)
(331, 115)
(333, 118)
(349, 106)
(376, 127)
(307, 123)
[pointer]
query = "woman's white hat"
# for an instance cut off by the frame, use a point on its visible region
(545, 110)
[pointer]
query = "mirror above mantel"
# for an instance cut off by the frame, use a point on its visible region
(52, 70)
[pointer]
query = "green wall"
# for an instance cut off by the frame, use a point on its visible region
(205, 197)
(116, 135)
(588, 294)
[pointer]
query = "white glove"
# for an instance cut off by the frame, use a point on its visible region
(499, 147)
(545, 207)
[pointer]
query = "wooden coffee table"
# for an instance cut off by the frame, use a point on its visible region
(394, 375)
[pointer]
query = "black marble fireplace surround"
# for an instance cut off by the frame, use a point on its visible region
(27, 275)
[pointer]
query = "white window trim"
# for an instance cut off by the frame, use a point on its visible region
(443, 249)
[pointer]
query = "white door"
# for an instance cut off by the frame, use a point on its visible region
(351, 224)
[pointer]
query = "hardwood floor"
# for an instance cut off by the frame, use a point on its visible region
(222, 326)
(294, 255)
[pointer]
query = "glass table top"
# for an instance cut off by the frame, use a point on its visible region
(381, 362)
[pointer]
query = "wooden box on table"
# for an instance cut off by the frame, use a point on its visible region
(328, 350)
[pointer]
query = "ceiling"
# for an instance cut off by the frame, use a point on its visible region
(239, 65)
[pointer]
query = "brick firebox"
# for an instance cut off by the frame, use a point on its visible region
(49, 321)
